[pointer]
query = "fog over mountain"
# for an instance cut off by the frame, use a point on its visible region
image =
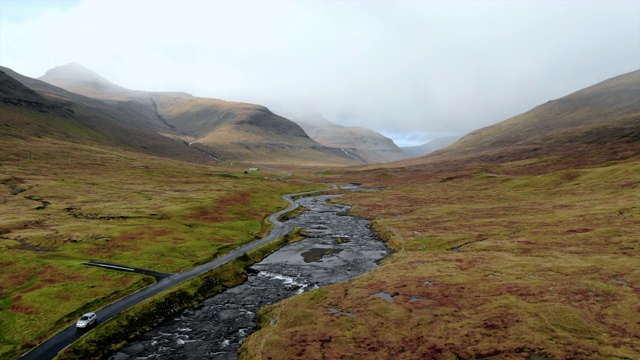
(431, 146)
(411, 70)
(360, 143)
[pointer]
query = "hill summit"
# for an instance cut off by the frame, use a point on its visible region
(74, 73)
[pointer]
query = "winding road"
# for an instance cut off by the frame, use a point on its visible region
(51, 347)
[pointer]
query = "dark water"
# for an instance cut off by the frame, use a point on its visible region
(339, 247)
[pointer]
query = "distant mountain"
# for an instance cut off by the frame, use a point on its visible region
(225, 130)
(431, 146)
(30, 107)
(597, 124)
(80, 80)
(139, 107)
(361, 143)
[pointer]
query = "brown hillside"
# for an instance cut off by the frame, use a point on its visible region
(12, 92)
(245, 132)
(224, 130)
(212, 120)
(589, 127)
(56, 113)
(364, 144)
(602, 120)
(519, 242)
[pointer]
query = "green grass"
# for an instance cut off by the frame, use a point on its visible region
(115, 333)
(547, 266)
(110, 205)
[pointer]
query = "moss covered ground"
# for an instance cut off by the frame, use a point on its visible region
(490, 262)
(65, 203)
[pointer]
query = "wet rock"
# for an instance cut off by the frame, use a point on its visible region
(222, 322)
(383, 295)
(620, 281)
(337, 312)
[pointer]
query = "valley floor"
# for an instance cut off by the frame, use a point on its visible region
(65, 203)
(490, 263)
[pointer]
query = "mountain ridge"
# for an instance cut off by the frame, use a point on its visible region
(363, 143)
(225, 130)
(59, 114)
(590, 126)
(610, 98)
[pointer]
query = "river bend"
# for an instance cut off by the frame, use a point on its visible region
(338, 247)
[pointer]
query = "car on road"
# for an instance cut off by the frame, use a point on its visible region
(86, 320)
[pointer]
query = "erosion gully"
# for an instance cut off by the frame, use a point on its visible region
(338, 247)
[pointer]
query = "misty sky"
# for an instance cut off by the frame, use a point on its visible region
(412, 70)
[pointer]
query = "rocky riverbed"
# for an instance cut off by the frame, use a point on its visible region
(338, 248)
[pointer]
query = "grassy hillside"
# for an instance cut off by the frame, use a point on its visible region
(604, 117)
(486, 265)
(201, 117)
(222, 130)
(73, 117)
(519, 242)
(240, 131)
(365, 144)
(64, 202)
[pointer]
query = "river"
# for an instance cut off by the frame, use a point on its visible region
(338, 247)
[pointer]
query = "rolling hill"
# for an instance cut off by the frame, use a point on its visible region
(225, 130)
(361, 143)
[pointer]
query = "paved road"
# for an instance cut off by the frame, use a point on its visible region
(51, 347)
(158, 275)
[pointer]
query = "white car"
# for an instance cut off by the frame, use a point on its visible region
(86, 320)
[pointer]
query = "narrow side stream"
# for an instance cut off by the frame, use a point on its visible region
(339, 247)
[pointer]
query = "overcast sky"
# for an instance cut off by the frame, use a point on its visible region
(412, 70)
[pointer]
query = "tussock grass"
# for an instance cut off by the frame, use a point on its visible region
(114, 334)
(110, 205)
(494, 263)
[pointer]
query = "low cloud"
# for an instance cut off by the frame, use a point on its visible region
(407, 139)
(408, 69)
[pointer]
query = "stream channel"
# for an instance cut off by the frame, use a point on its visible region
(339, 247)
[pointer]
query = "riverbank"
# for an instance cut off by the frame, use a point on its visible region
(337, 248)
(57, 343)
(498, 263)
(116, 333)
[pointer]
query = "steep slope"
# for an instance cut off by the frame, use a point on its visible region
(241, 131)
(34, 108)
(601, 122)
(226, 130)
(362, 143)
(519, 242)
(132, 104)
(12, 92)
(431, 146)
(212, 120)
